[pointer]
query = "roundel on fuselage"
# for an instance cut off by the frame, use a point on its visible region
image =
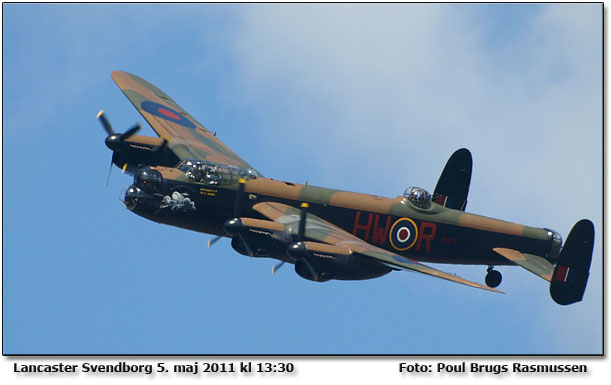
(403, 234)
(166, 113)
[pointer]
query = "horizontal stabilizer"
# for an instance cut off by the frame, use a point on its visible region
(453, 185)
(571, 273)
(533, 263)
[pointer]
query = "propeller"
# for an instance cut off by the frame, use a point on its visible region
(313, 272)
(278, 266)
(114, 141)
(213, 240)
(157, 150)
(109, 171)
(237, 206)
(105, 123)
(302, 222)
(246, 246)
(108, 128)
(130, 132)
(234, 228)
(300, 237)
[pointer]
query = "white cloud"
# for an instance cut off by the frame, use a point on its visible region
(395, 89)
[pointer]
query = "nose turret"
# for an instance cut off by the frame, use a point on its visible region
(145, 191)
(132, 197)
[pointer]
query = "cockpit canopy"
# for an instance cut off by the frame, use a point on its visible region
(214, 174)
(419, 197)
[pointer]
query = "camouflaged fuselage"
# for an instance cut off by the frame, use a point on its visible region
(436, 234)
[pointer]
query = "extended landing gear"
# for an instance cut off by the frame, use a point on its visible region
(493, 278)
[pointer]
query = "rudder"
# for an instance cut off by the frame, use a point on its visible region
(571, 273)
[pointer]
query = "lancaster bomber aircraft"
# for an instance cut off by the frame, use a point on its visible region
(188, 178)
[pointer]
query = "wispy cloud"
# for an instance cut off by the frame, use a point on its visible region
(393, 90)
(366, 97)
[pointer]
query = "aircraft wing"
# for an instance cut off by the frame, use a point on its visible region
(186, 137)
(327, 233)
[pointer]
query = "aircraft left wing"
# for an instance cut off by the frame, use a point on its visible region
(186, 137)
(327, 233)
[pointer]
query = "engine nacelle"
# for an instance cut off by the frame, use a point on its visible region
(321, 262)
(239, 246)
(140, 150)
(247, 239)
(302, 269)
(316, 261)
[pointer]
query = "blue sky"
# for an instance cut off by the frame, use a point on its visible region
(368, 98)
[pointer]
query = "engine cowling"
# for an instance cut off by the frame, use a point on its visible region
(302, 269)
(322, 262)
(316, 261)
(253, 237)
(239, 246)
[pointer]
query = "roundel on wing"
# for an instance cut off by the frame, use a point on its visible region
(166, 113)
(403, 234)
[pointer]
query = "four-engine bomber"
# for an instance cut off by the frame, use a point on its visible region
(188, 178)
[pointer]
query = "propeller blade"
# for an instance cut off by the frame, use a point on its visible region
(312, 271)
(161, 147)
(213, 241)
(105, 123)
(277, 267)
(237, 207)
(248, 249)
(302, 222)
(109, 171)
(130, 132)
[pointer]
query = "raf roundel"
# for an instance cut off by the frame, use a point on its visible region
(403, 234)
(166, 113)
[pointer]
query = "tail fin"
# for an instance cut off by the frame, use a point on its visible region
(453, 185)
(573, 267)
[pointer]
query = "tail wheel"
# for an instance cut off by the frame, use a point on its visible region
(493, 278)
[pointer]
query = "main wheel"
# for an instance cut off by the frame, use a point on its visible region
(493, 278)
